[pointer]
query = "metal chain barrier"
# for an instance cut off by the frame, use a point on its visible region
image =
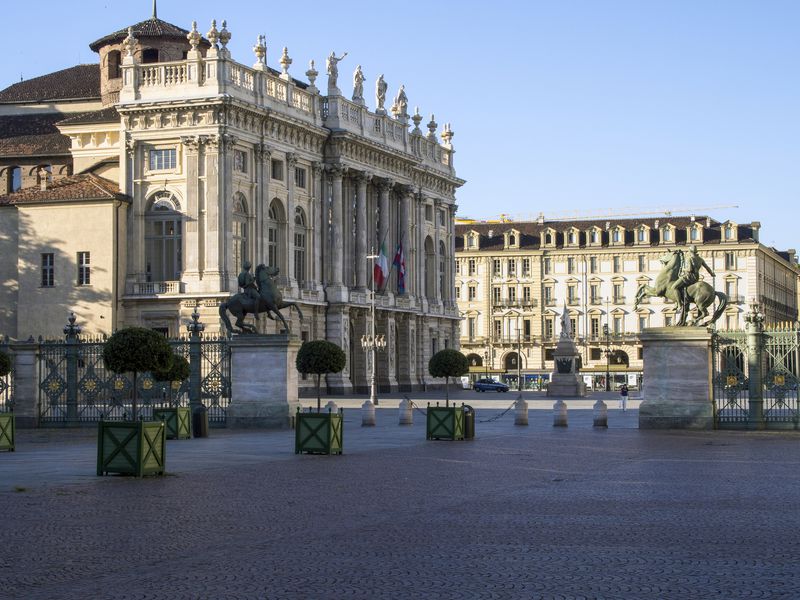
(502, 414)
(415, 407)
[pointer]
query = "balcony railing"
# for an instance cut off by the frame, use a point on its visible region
(155, 288)
(573, 301)
(505, 302)
(619, 300)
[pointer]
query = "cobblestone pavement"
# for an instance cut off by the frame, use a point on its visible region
(520, 512)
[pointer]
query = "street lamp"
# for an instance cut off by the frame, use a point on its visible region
(372, 342)
(486, 362)
(607, 336)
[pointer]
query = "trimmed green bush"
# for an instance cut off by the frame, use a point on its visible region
(320, 357)
(448, 363)
(134, 350)
(178, 371)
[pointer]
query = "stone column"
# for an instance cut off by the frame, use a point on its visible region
(387, 379)
(677, 376)
(261, 200)
(26, 384)
(337, 330)
(291, 163)
(191, 244)
(362, 179)
(385, 188)
(423, 351)
(336, 273)
(437, 257)
(225, 208)
(451, 269)
(360, 369)
(406, 368)
(420, 253)
(405, 228)
(263, 381)
(319, 221)
(213, 231)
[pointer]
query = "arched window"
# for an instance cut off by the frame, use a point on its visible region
(163, 238)
(430, 269)
(14, 181)
(512, 240)
(548, 239)
(728, 232)
(667, 235)
(694, 234)
(615, 235)
(595, 237)
(150, 55)
(240, 237)
(511, 360)
(275, 229)
(641, 235)
(112, 64)
(300, 237)
(571, 238)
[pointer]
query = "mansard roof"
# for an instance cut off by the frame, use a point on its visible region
(85, 186)
(531, 231)
(149, 28)
(78, 82)
(32, 135)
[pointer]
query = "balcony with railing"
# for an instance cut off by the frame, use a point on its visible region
(618, 300)
(516, 303)
(155, 288)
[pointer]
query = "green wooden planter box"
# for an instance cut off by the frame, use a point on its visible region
(7, 431)
(318, 433)
(178, 420)
(445, 423)
(131, 447)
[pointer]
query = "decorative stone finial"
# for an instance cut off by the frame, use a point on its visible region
(71, 330)
(754, 316)
(194, 37)
(285, 61)
(130, 43)
(432, 125)
(447, 134)
(312, 75)
(417, 118)
(260, 50)
(213, 34)
(195, 326)
(224, 35)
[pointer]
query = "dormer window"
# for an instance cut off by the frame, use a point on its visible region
(512, 239)
(695, 233)
(472, 240)
(641, 235)
(730, 232)
(668, 234)
(548, 238)
(615, 236)
(594, 237)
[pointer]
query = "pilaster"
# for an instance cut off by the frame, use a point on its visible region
(337, 331)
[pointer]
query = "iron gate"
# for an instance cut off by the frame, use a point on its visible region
(7, 382)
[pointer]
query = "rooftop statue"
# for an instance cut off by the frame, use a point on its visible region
(380, 94)
(400, 106)
(358, 85)
(679, 281)
(333, 69)
(260, 295)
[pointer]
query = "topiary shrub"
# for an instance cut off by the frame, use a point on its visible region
(5, 364)
(134, 350)
(448, 363)
(320, 357)
(178, 371)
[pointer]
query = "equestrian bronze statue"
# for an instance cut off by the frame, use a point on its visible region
(679, 281)
(260, 295)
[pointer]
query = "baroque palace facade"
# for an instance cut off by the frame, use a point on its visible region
(514, 280)
(134, 189)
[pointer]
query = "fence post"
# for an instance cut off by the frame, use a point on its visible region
(26, 383)
(71, 331)
(755, 346)
(195, 328)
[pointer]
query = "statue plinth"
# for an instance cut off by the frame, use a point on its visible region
(566, 380)
(263, 381)
(677, 379)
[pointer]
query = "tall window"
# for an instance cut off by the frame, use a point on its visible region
(48, 270)
(300, 177)
(471, 327)
(498, 329)
(14, 179)
(618, 324)
(548, 295)
(667, 235)
(694, 234)
(113, 62)
(276, 169)
(443, 287)
(728, 232)
(593, 264)
(595, 236)
(162, 159)
(642, 263)
(275, 223)
(618, 296)
(730, 261)
(641, 234)
(615, 235)
(84, 269)
(471, 265)
(617, 264)
(240, 253)
(496, 295)
(570, 265)
(548, 328)
(594, 292)
(512, 267)
(163, 238)
(300, 237)
(512, 294)
(547, 265)
(526, 267)
(472, 293)
(496, 268)
(595, 327)
(642, 322)
(572, 293)
(526, 294)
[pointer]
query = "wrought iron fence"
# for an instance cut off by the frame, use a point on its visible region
(762, 365)
(7, 382)
(75, 387)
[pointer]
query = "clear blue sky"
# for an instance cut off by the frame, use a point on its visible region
(557, 107)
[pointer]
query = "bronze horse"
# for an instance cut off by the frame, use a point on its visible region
(700, 293)
(270, 302)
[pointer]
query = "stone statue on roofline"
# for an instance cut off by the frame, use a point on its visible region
(380, 95)
(358, 85)
(332, 63)
(400, 106)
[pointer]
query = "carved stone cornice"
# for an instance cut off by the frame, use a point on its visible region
(404, 190)
(212, 142)
(362, 177)
(191, 142)
(335, 171)
(384, 185)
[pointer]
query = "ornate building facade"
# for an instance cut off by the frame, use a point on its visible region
(514, 280)
(176, 164)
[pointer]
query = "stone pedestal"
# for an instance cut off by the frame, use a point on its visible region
(263, 381)
(677, 379)
(566, 380)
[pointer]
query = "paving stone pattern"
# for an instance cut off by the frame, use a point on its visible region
(520, 512)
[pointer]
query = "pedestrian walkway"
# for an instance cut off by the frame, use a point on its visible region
(519, 512)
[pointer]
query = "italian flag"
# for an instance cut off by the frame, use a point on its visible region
(381, 269)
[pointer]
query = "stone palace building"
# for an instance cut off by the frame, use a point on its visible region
(514, 280)
(134, 189)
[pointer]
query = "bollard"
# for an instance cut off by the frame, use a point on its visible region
(332, 407)
(560, 414)
(406, 412)
(600, 412)
(520, 412)
(368, 414)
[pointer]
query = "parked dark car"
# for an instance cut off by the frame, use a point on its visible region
(489, 385)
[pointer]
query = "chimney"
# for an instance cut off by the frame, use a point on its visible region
(708, 222)
(655, 225)
(540, 218)
(755, 226)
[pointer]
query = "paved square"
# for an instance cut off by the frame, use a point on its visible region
(520, 512)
